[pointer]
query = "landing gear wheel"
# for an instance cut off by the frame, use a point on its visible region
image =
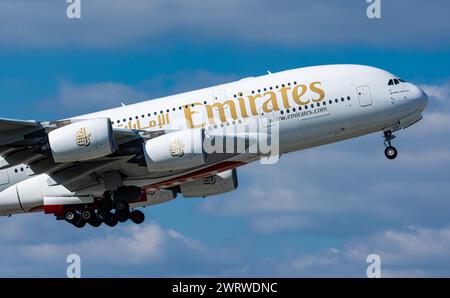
(137, 216)
(121, 206)
(95, 222)
(86, 214)
(111, 221)
(105, 204)
(102, 215)
(123, 216)
(80, 223)
(70, 216)
(390, 152)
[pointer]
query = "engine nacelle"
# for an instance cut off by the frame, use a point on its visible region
(82, 140)
(154, 198)
(178, 150)
(211, 186)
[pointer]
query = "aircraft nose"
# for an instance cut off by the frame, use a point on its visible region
(419, 97)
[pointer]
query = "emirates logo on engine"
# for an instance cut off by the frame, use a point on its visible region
(209, 180)
(83, 138)
(176, 148)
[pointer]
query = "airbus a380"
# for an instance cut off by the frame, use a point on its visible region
(102, 167)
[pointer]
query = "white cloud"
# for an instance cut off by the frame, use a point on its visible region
(274, 224)
(129, 246)
(78, 98)
(414, 252)
(125, 23)
(439, 92)
(74, 99)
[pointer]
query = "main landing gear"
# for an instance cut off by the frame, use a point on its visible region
(390, 151)
(111, 209)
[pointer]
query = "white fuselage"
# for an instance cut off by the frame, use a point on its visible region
(304, 122)
(312, 106)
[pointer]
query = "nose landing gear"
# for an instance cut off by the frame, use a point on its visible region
(390, 151)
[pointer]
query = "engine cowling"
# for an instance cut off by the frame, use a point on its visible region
(211, 186)
(82, 140)
(155, 197)
(178, 150)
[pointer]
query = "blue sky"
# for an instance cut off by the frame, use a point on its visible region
(318, 212)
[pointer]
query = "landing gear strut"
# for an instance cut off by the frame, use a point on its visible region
(390, 151)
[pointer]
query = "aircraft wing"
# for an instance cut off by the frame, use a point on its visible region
(21, 142)
(7, 125)
(26, 143)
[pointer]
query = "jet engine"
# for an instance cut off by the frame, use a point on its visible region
(210, 186)
(178, 150)
(81, 141)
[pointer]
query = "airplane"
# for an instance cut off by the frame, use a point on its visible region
(102, 167)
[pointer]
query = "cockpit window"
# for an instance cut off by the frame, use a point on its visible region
(396, 81)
